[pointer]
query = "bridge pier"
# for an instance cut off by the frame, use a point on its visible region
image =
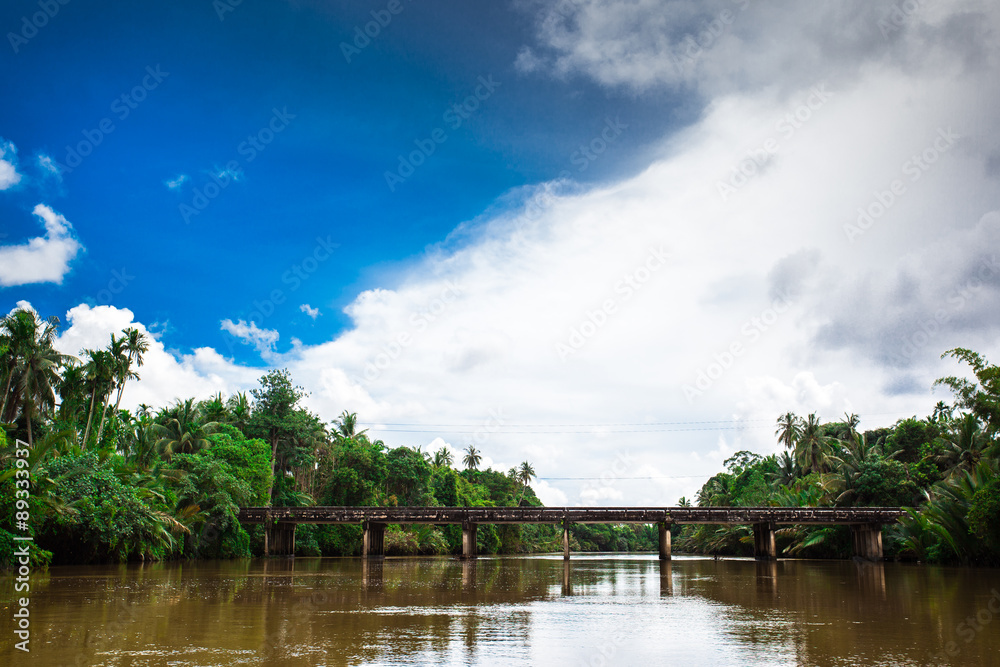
(469, 539)
(664, 540)
(373, 540)
(279, 539)
(867, 541)
(763, 542)
(565, 540)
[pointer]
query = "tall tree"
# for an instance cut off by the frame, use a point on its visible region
(472, 458)
(525, 474)
(789, 429)
(98, 376)
(33, 370)
(812, 447)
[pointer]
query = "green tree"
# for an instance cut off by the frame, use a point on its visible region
(472, 458)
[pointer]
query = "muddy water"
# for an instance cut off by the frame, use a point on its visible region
(600, 610)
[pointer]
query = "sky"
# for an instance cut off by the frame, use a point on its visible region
(615, 239)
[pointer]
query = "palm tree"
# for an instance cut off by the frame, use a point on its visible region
(98, 376)
(788, 469)
(812, 447)
(346, 425)
(852, 421)
(525, 474)
(184, 430)
(239, 410)
(789, 429)
(472, 458)
(443, 458)
(942, 412)
(121, 372)
(964, 444)
(683, 502)
(32, 366)
(136, 345)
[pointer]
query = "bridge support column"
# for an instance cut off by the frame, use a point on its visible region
(469, 540)
(279, 539)
(763, 542)
(867, 541)
(565, 540)
(373, 540)
(664, 540)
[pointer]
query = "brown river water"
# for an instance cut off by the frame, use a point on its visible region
(603, 609)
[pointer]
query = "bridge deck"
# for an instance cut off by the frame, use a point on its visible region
(476, 515)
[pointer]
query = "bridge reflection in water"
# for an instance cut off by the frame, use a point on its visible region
(279, 534)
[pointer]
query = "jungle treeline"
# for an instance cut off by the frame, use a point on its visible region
(943, 468)
(113, 485)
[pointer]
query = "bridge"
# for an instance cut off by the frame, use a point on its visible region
(279, 522)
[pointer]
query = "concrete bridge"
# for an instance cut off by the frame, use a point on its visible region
(865, 522)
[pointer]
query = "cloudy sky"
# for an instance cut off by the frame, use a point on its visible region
(616, 239)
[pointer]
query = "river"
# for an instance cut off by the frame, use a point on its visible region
(602, 609)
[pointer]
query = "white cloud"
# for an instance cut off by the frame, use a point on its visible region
(43, 259)
(176, 182)
(8, 165)
(48, 166)
(469, 333)
(309, 310)
(262, 339)
(165, 377)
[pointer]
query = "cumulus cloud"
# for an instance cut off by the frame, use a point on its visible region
(309, 310)
(468, 339)
(165, 376)
(43, 259)
(8, 165)
(262, 339)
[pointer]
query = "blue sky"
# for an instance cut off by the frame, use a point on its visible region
(322, 175)
(649, 228)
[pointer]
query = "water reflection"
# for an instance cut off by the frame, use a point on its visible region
(542, 610)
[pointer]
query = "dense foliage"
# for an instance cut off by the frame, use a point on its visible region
(110, 485)
(944, 468)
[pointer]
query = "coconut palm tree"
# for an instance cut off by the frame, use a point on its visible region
(525, 474)
(789, 429)
(98, 375)
(135, 344)
(472, 458)
(183, 431)
(346, 426)
(812, 448)
(32, 366)
(443, 458)
(942, 412)
(964, 443)
(239, 410)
